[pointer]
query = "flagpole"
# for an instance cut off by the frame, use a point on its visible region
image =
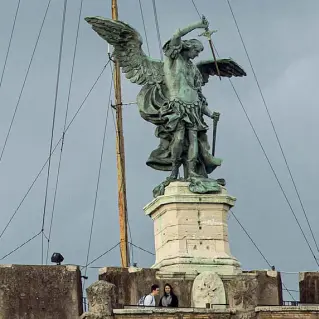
(120, 158)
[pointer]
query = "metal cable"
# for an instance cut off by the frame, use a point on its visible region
(157, 30)
(53, 150)
(98, 179)
(272, 169)
(64, 128)
(20, 246)
(10, 40)
(196, 8)
(266, 260)
(24, 81)
(53, 123)
(273, 126)
(97, 258)
(140, 248)
(146, 39)
(243, 228)
(274, 172)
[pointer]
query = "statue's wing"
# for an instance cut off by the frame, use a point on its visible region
(227, 68)
(127, 43)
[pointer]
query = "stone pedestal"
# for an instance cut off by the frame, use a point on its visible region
(191, 231)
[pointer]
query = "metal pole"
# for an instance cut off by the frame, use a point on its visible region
(120, 158)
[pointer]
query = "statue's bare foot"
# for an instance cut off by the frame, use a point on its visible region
(192, 170)
(193, 174)
(221, 181)
(174, 173)
(172, 177)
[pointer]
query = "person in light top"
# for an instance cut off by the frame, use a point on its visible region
(149, 300)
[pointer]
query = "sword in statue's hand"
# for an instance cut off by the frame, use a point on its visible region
(215, 118)
(208, 34)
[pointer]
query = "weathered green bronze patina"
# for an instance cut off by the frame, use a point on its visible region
(172, 99)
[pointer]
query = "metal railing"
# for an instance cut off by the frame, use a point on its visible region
(85, 304)
(292, 303)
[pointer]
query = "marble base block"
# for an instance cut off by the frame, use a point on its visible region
(191, 231)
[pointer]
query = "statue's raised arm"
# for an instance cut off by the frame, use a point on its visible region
(175, 45)
(127, 43)
(177, 36)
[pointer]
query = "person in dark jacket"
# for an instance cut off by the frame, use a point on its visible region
(169, 299)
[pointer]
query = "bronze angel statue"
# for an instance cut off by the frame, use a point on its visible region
(171, 98)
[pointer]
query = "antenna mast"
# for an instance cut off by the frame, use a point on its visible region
(120, 158)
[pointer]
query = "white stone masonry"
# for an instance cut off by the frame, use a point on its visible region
(191, 231)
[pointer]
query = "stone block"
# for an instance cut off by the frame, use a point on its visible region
(269, 288)
(40, 292)
(288, 312)
(191, 231)
(102, 300)
(309, 287)
(253, 288)
(101, 297)
(242, 291)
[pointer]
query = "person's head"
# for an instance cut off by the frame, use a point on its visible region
(192, 48)
(168, 289)
(155, 290)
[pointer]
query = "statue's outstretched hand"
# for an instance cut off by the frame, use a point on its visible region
(203, 23)
(215, 116)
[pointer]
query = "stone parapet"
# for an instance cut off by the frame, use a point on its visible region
(40, 292)
(286, 312)
(132, 284)
(254, 288)
(180, 313)
(161, 310)
(309, 287)
(244, 291)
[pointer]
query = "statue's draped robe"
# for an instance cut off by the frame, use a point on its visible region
(156, 108)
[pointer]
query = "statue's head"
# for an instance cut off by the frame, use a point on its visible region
(192, 47)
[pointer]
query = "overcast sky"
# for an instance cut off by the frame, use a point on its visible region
(281, 39)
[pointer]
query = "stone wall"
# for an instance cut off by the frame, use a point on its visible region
(162, 313)
(273, 312)
(309, 287)
(133, 284)
(301, 312)
(40, 292)
(269, 287)
(244, 293)
(247, 290)
(254, 288)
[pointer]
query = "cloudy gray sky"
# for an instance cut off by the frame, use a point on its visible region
(280, 38)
